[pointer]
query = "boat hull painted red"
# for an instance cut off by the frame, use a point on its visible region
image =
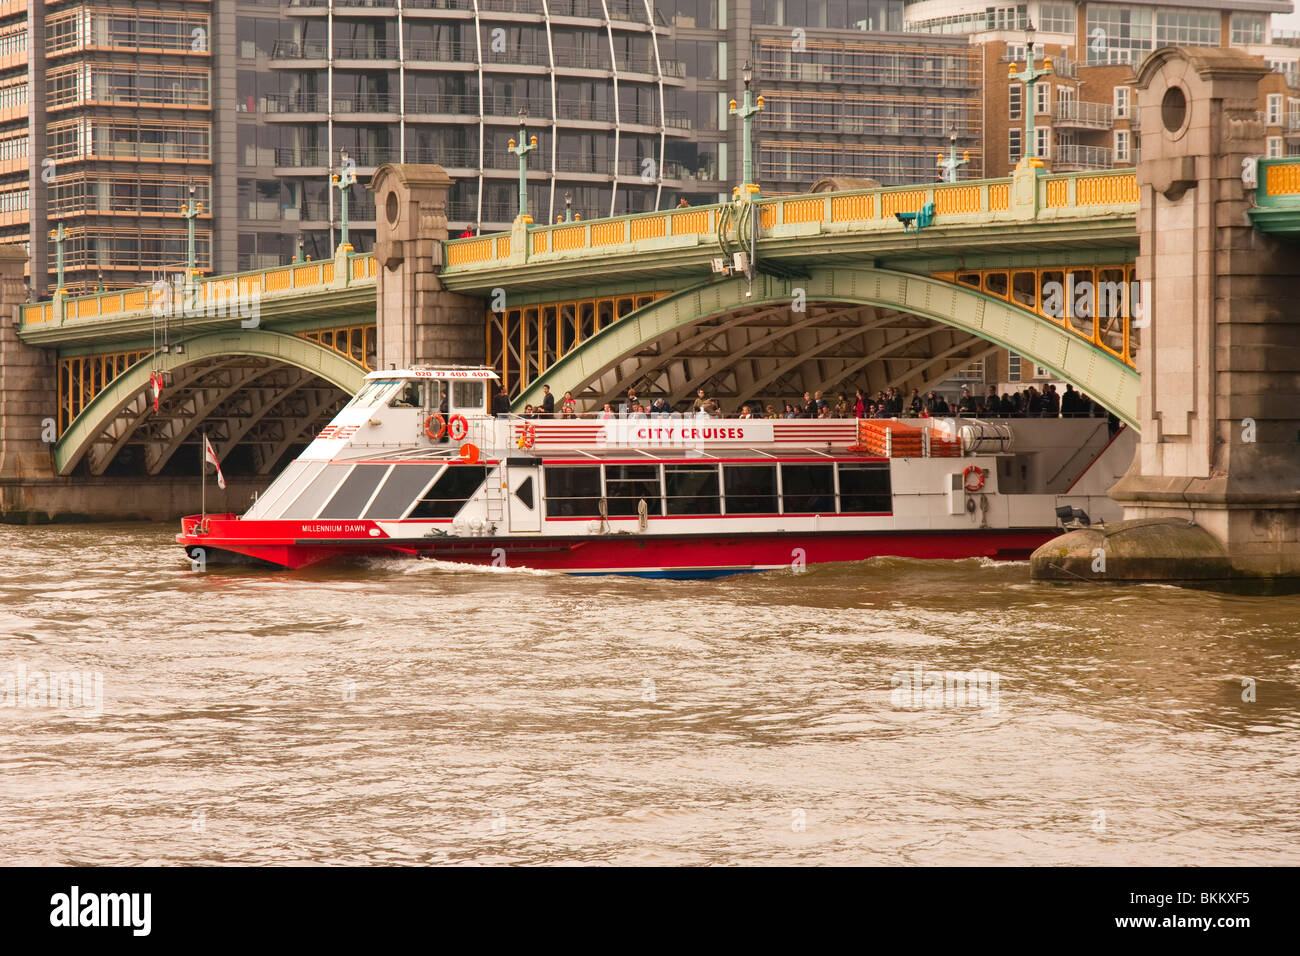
(684, 556)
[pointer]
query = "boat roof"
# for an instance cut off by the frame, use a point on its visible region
(433, 371)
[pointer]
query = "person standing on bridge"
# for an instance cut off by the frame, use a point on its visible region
(548, 402)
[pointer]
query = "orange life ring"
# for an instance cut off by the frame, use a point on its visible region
(529, 435)
(979, 478)
(442, 427)
(457, 427)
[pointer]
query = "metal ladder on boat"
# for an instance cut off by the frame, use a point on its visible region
(496, 498)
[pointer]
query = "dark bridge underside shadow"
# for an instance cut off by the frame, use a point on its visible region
(257, 401)
(858, 328)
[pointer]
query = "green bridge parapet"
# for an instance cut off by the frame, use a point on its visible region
(1058, 198)
(1277, 197)
(211, 302)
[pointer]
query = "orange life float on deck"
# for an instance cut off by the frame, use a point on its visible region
(979, 478)
(457, 427)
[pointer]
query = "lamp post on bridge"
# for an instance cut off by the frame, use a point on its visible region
(58, 236)
(343, 181)
(952, 163)
(190, 210)
(1030, 77)
(522, 149)
(746, 111)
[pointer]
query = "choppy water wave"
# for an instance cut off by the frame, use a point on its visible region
(400, 711)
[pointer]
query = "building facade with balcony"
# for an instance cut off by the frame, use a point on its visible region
(846, 92)
(105, 124)
(1084, 112)
(445, 81)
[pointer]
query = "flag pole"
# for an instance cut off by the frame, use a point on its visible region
(203, 470)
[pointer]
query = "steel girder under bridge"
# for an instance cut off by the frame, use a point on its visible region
(263, 390)
(859, 326)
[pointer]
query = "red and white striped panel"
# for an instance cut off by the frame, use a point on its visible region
(565, 433)
(811, 432)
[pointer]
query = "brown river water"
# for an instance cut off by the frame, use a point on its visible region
(412, 712)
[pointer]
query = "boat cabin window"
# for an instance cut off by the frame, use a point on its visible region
(401, 490)
(373, 392)
(524, 492)
(626, 485)
(572, 491)
(355, 491)
(469, 396)
(309, 502)
(750, 489)
(410, 395)
(808, 489)
(865, 487)
(456, 485)
(692, 490)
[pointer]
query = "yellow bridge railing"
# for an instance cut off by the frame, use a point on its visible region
(272, 281)
(1098, 192)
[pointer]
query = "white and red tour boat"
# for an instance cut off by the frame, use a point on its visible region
(416, 465)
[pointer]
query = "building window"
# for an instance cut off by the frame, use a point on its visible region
(1248, 28)
(1117, 34)
(1016, 51)
(1121, 146)
(1122, 96)
(1288, 68)
(1042, 96)
(1187, 28)
(1043, 142)
(1015, 100)
(1056, 18)
(1273, 109)
(1274, 147)
(1014, 137)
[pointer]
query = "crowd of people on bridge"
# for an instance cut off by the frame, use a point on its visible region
(1031, 402)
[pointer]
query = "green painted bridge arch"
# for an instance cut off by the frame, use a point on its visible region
(891, 328)
(257, 388)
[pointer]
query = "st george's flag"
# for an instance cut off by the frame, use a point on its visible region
(211, 456)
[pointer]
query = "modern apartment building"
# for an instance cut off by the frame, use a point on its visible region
(1084, 113)
(106, 120)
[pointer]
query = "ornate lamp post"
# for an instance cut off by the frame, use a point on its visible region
(952, 163)
(1030, 76)
(59, 235)
(522, 149)
(344, 181)
(746, 111)
(190, 210)
(568, 207)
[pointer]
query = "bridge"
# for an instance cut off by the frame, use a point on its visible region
(839, 293)
(760, 298)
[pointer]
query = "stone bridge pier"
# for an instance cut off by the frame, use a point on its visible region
(27, 387)
(1214, 489)
(418, 321)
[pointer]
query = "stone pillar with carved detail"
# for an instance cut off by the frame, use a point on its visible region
(1219, 353)
(418, 321)
(28, 385)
